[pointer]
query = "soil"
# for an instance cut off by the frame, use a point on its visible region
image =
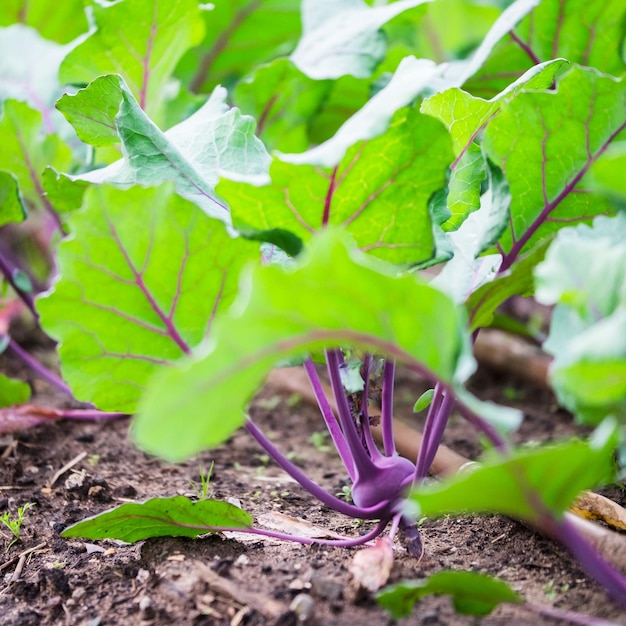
(249, 580)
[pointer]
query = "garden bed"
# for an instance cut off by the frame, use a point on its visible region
(247, 580)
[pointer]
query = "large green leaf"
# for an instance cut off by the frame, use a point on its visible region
(333, 295)
(160, 517)
(584, 273)
(28, 70)
(456, 73)
(379, 191)
(142, 40)
(588, 32)
(447, 30)
(410, 78)
(472, 593)
(63, 22)
(607, 173)
(546, 154)
(282, 100)
(345, 97)
(466, 117)
(192, 154)
(516, 484)
(11, 209)
(140, 282)
(26, 151)
(240, 34)
(343, 36)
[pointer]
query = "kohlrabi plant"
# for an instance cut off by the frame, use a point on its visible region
(223, 209)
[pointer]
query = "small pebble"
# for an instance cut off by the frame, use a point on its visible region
(142, 576)
(304, 607)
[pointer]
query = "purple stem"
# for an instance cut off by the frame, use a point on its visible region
(313, 488)
(8, 272)
(330, 419)
(589, 559)
(566, 616)
(395, 524)
(386, 425)
(372, 448)
(362, 461)
(526, 48)
(338, 543)
(329, 197)
(37, 367)
(436, 420)
(90, 414)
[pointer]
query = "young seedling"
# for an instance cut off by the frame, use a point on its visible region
(202, 490)
(14, 524)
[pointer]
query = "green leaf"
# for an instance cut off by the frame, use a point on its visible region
(472, 593)
(239, 35)
(466, 117)
(468, 270)
(140, 282)
(11, 208)
(584, 273)
(26, 151)
(284, 239)
(142, 40)
(587, 32)
(192, 154)
(379, 192)
(64, 193)
(585, 269)
(332, 295)
(424, 401)
(91, 111)
(439, 215)
(606, 175)
(447, 30)
(282, 100)
(517, 281)
(374, 117)
(467, 175)
(160, 517)
(516, 484)
(455, 73)
(62, 24)
(545, 155)
(590, 378)
(345, 98)
(343, 36)
(13, 391)
(29, 66)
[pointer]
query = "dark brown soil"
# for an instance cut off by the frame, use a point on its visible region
(219, 580)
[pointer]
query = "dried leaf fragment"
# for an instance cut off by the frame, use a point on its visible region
(371, 567)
